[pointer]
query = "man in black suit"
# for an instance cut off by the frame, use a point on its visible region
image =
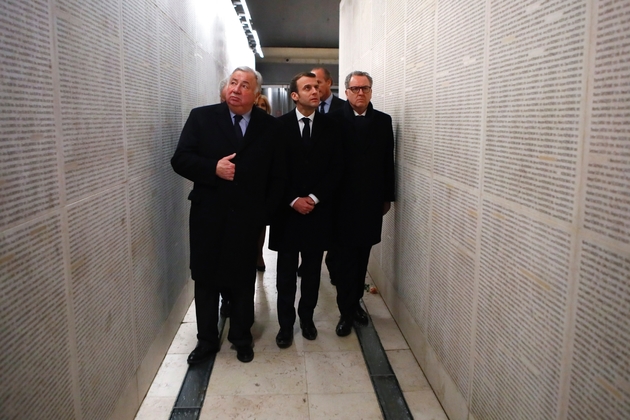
(233, 153)
(303, 225)
(327, 101)
(364, 196)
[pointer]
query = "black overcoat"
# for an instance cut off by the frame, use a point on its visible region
(226, 217)
(368, 180)
(336, 103)
(314, 171)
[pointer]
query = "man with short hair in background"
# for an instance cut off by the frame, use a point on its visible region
(327, 101)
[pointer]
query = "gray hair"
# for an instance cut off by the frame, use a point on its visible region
(222, 84)
(259, 79)
(358, 73)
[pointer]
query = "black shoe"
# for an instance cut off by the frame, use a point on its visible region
(226, 308)
(308, 330)
(361, 316)
(284, 338)
(261, 268)
(245, 354)
(202, 352)
(344, 327)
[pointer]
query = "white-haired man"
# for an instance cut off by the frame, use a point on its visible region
(232, 152)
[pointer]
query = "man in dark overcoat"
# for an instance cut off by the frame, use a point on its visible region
(303, 224)
(328, 102)
(364, 196)
(232, 152)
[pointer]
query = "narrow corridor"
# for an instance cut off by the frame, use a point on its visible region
(322, 379)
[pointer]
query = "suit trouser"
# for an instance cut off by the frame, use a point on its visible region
(241, 316)
(349, 270)
(286, 284)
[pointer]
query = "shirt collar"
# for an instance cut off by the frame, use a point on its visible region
(328, 101)
(300, 116)
(246, 117)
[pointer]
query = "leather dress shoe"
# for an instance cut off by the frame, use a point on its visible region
(226, 308)
(202, 352)
(284, 338)
(245, 354)
(344, 326)
(361, 316)
(308, 330)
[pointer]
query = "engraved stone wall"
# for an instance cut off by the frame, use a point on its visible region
(509, 245)
(93, 221)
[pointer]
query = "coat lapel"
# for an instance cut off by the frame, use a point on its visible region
(255, 122)
(226, 125)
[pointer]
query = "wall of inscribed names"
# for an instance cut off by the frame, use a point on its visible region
(93, 221)
(511, 230)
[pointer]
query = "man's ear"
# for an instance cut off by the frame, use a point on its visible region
(295, 96)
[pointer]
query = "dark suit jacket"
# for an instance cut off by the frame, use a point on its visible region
(368, 180)
(336, 104)
(316, 171)
(226, 217)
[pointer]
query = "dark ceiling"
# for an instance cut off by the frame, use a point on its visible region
(295, 36)
(296, 23)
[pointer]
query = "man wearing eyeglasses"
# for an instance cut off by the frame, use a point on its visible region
(364, 196)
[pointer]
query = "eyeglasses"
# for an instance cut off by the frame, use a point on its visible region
(356, 89)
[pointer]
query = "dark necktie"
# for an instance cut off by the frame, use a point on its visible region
(238, 130)
(322, 107)
(306, 133)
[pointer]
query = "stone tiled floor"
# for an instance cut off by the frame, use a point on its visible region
(322, 379)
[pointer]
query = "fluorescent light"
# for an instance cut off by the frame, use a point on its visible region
(246, 22)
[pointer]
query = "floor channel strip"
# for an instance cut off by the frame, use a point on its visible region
(388, 392)
(193, 391)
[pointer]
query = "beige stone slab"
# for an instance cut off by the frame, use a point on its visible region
(326, 308)
(337, 372)
(268, 373)
(424, 405)
(169, 378)
(156, 408)
(265, 337)
(185, 340)
(190, 314)
(375, 305)
(355, 406)
(390, 335)
(259, 407)
(408, 372)
(265, 288)
(265, 312)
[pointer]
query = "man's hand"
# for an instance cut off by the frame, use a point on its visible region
(386, 206)
(225, 168)
(304, 205)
